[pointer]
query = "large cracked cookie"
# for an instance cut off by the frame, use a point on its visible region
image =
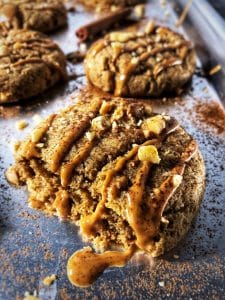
(125, 175)
(30, 63)
(39, 15)
(140, 64)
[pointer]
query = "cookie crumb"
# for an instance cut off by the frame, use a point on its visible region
(20, 125)
(48, 280)
(139, 11)
(83, 47)
(161, 283)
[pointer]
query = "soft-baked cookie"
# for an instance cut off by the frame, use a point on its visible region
(140, 64)
(125, 175)
(39, 15)
(30, 63)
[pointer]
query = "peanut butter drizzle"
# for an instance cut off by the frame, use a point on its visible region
(67, 169)
(146, 224)
(29, 148)
(127, 71)
(74, 132)
(85, 266)
(89, 223)
(62, 204)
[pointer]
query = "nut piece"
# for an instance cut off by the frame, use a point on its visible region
(20, 125)
(177, 179)
(99, 123)
(105, 108)
(121, 37)
(155, 124)
(118, 113)
(36, 135)
(49, 279)
(12, 176)
(149, 153)
(139, 11)
(150, 27)
(90, 136)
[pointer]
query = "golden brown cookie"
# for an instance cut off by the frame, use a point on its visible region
(30, 63)
(125, 175)
(39, 15)
(140, 64)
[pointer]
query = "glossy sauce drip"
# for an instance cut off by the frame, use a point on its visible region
(146, 223)
(67, 169)
(85, 266)
(88, 224)
(73, 133)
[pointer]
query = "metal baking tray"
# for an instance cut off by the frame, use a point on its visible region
(33, 245)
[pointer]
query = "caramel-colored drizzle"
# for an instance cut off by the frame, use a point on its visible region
(62, 204)
(124, 76)
(85, 266)
(146, 224)
(67, 169)
(88, 224)
(73, 133)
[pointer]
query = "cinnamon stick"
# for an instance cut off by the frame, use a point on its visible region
(84, 32)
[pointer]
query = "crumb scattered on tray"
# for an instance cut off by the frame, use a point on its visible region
(48, 280)
(20, 125)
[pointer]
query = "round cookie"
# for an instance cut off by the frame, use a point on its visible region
(30, 63)
(136, 64)
(126, 175)
(39, 15)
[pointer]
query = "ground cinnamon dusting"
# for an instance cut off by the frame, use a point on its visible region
(212, 114)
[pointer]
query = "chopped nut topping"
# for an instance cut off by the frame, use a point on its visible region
(139, 11)
(150, 27)
(83, 47)
(11, 176)
(121, 37)
(177, 179)
(99, 123)
(90, 136)
(21, 124)
(49, 279)
(118, 113)
(149, 153)
(36, 134)
(134, 60)
(105, 108)
(3, 97)
(161, 283)
(154, 125)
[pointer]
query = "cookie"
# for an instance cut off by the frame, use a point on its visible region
(125, 175)
(141, 64)
(39, 15)
(30, 63)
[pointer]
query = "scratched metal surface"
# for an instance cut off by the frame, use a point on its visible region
(33, 245)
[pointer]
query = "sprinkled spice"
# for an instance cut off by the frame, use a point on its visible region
(213, 115)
